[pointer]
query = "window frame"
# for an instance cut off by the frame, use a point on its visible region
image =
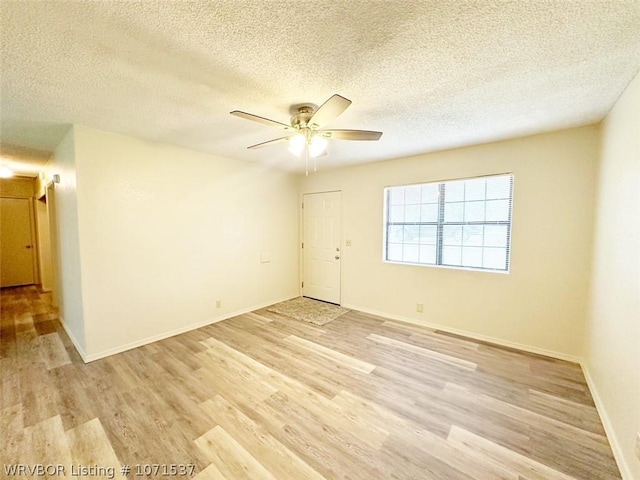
(440, 224)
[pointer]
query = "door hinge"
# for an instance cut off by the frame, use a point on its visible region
(302, 284)
(303, 205)
(302, 244)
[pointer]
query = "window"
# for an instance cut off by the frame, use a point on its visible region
(460, 223)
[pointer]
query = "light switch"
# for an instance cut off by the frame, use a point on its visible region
(265, 258)
(347, 243)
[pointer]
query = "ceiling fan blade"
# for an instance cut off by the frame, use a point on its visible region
(329, 110)
(270, 142)
(352, 134)
(256, 118)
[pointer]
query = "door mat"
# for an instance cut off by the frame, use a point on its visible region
(309, 310)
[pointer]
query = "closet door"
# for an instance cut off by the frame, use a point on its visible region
(16, 242)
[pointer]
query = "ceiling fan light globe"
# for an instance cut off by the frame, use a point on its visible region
(296, 144)
(6, 172)
(317, 145)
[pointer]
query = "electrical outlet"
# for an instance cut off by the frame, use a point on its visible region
(638, 445)
(347, 243)
(218, 303)
(419, 307)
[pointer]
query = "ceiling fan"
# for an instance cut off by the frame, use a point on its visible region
(306, 133)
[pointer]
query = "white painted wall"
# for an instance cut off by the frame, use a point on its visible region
(69, 278)
(613, 331)
(541, 303)
(165, 232)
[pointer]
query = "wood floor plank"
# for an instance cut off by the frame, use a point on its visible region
(259, 318)
(571, 433)
(230, 457)
(52, 350)
(577, 414)
(211, 473)
(294, 389)
(278, 459)
(571, 457)
(423, 352)
(407, 435)
(90, 446)
(289, 326)
(237, 372)
(334, 355)
(46, 443)
(40, 397)
(260, 412)
(460, 410)
(500, 455)
(10, 382)
(24, 326)
(75, 405)
(285, 358)
(331, 450)
(13, 430)
(334, 416)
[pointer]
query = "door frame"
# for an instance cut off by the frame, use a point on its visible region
(301, 238)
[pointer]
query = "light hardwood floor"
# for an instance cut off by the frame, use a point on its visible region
(261, 396)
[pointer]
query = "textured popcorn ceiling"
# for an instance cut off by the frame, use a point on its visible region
(431, 75)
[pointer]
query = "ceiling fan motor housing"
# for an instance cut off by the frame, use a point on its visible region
(301, 119)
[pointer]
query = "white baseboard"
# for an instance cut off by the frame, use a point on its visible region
(73, 339)
(171, 333)
(475, 336)
(624, 467)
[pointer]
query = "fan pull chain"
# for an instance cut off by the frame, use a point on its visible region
(306, 159)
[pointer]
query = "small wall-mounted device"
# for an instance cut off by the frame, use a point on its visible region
(56, 178)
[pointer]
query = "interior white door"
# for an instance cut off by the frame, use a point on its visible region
(321, 246)
(16, 244)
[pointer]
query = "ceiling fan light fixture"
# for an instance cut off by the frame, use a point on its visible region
(306, 133)
(296, 144)
(317, 145)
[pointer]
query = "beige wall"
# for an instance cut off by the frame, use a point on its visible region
(541, 303)
(68, 271)
(613, 331)
(165, 232)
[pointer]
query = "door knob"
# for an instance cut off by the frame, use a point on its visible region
(337, 257)
(27, 246)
